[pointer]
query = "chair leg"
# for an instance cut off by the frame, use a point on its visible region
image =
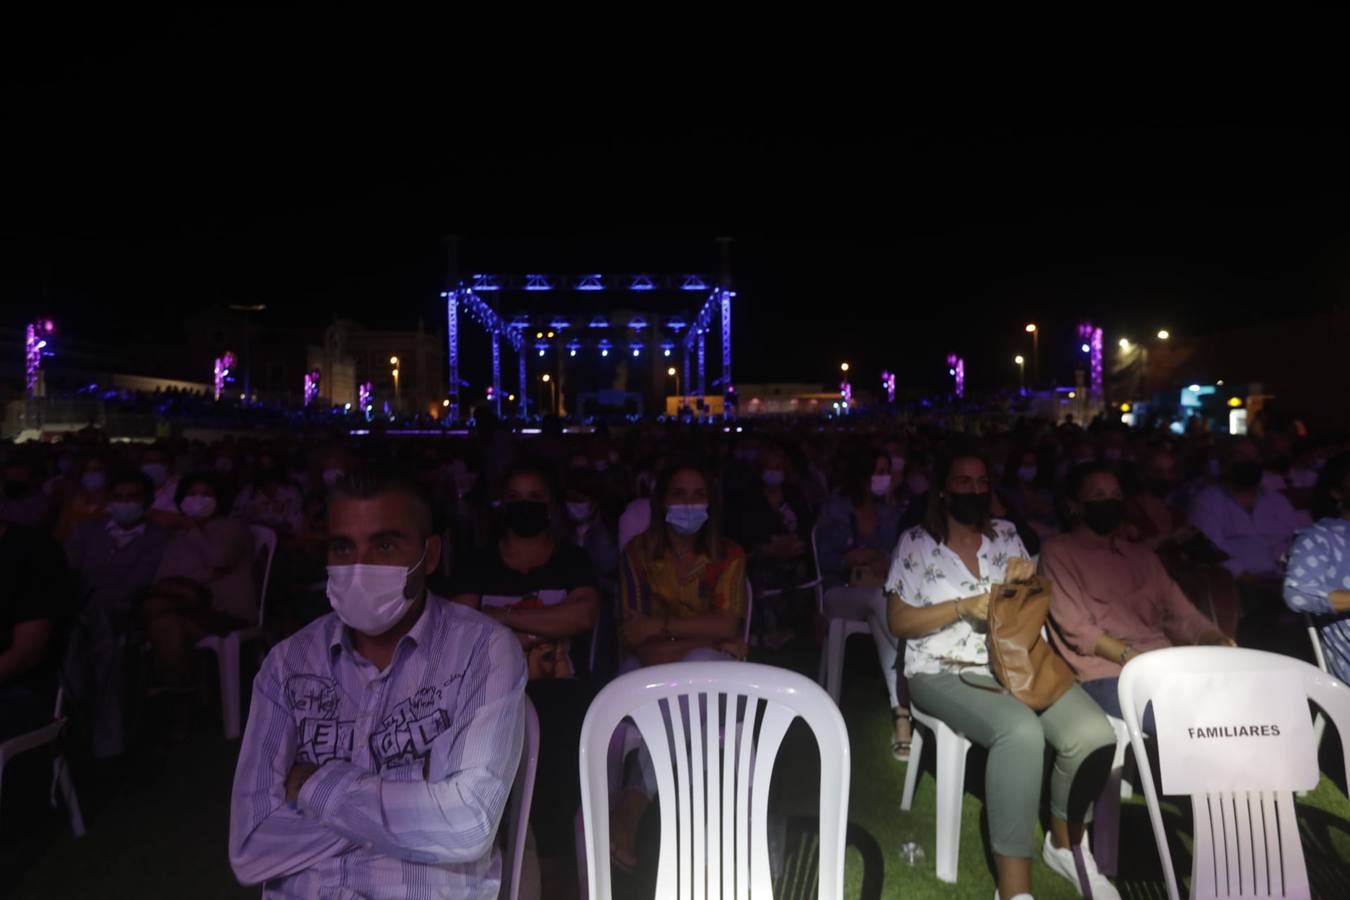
(835, 658)
(61, 779)
(912, 769)
(951, 789)
(1106, 824)
(579, 827)
(228, 662)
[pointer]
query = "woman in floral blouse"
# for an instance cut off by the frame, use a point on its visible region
(938, 596)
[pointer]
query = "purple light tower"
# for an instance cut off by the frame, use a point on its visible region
(888, 385)
(312, 380)
(222, 372)
(1092, 345)
(363, 398)
(956, 367)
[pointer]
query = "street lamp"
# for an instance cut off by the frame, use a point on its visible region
(552, 396)
(1035, 333)
(248, 342)
(1021, 373)
(843, 367)
(675, 373)
(1164, 334)
(1124, 344)
(398, 403)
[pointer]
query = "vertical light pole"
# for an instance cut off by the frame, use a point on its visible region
(1021, 374)
(248, 344)
(679, 397)
(398, 401)
(552, 397)
(1035, 352)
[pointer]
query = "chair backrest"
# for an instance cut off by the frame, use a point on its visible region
(518, 806)
(713, 730)
(1245, 843)
(265, 546)
(820, 579)
(749, 608)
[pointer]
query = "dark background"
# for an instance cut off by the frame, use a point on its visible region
(159, 164)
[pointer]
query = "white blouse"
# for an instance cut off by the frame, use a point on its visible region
(924, 572)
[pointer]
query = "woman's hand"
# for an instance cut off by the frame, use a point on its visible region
(639, 629)
(974, 608)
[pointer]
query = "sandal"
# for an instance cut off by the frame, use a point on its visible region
(900, 748)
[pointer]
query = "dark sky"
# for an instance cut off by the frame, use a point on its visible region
(160, 164)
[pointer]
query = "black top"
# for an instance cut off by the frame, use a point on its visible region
(485, 574)
(36, 586)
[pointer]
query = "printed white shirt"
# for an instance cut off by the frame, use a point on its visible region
(416, 762)
(924, 572)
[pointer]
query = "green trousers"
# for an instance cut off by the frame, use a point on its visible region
(1015, 737)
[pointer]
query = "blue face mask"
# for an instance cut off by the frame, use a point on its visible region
(687, 518)
(126, 512)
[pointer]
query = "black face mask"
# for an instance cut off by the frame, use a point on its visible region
(1104, 516)
(968, 509)
(1245, 474)
(1160, 487)
(15, 489)
(526, 518)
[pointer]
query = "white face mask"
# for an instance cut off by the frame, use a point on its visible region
(370, 599)
(1027, 474)
(773, 477)
(881, 485)
(196, 506)
(579, 512)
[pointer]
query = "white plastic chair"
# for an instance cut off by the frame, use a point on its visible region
(1319, 723)
(714, 838)
(952, 749)
(226, 647)
(1244, 843)
(831, 675)
(518, 807)
(61, 780)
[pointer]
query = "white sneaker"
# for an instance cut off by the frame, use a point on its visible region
(1018, 897)
(1078, 866)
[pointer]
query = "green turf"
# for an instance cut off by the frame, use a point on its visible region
(162, 833)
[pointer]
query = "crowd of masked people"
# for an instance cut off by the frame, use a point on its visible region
(422, 585)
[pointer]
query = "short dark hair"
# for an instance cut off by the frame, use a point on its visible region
(373, 481)
(133, 476)
(223, 490)
(1079, 474)
(1332, 478)
(935, 512)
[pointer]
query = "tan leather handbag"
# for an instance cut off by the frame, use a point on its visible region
(1019, 657)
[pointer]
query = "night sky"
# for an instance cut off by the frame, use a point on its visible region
(163, 164)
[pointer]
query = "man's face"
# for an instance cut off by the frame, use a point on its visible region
(381, 531)
(1244, 451)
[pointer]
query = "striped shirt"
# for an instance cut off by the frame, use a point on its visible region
(416, 762)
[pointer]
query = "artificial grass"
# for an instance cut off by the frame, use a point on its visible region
(161, 830)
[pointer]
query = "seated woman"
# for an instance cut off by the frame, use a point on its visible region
(1318, 578)
(938, 591)
(544, 589)
(682, 589)
(773, 524)
(89, 503)
(856, 534)
(272, 499)
(1111, 599)
(682, 584)
(205, 582)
